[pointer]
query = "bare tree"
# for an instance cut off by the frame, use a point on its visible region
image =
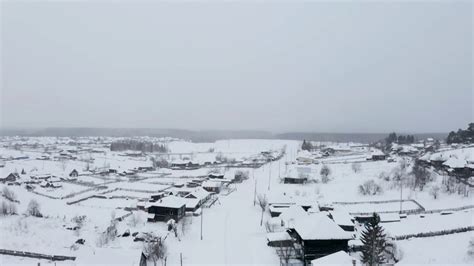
(434, 191)
(185, 222)
(325, 172)
(421, 175)
(470, 248)
(370, 188)
(269, 227)
(109, 234)
(156, 251)
(33, 209)
(134, 219)
(262, 202)
(286, 252)
(356, 167)
(8, 194)
(8, 208)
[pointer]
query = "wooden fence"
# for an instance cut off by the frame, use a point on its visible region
(435, 233)
(35, 255)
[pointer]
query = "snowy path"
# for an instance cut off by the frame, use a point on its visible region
(232, 234)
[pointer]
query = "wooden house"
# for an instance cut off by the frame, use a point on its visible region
(170, 207)
(319, 236)
(12, 177)
(212, 186)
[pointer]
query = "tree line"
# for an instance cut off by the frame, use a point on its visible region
(400, 139)
(138, 145)
(462, 136)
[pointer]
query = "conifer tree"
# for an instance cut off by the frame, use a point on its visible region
(374, 243)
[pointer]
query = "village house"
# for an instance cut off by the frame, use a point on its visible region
(319, 236)
(12, 177)
(193, 198)
(216, 176)
(214, 186)
(459, 167)
(170, 207)
(377, 155)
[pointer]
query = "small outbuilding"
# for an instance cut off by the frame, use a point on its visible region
(74, 173)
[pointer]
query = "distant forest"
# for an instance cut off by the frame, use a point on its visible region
(137, 145)
(462, 136)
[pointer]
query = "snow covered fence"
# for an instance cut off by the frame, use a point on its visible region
(467, 207)
(435, 233)
(44, 195)
(121, 218)
(35, 255)
(419, 209)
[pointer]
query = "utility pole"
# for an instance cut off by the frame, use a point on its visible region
(279, 164)
(202, 214)
(269, 174)
(401, 194)
(255, 193)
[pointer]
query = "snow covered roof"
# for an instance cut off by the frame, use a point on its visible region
(377, 153)
(169, 202)
(319, 226)
(426, 157)
(454, 162)
(211, 183)
(342, 217)
(294, 212)
(278, 236)
(437, 157)
(389, 217)
(304, 154)
(338, 258)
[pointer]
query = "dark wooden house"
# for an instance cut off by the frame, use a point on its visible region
(319, 236)
(12, 177)
(170, 207)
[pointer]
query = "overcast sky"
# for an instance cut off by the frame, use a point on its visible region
(341, 67)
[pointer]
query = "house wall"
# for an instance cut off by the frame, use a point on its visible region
(164, 213)
(314, 249)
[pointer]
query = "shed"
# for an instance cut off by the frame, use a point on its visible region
(74, 173)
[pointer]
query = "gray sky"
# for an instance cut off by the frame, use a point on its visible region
(341, 67)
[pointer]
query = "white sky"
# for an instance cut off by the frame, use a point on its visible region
(314, 66)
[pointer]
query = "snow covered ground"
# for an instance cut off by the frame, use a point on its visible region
(232, 233)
